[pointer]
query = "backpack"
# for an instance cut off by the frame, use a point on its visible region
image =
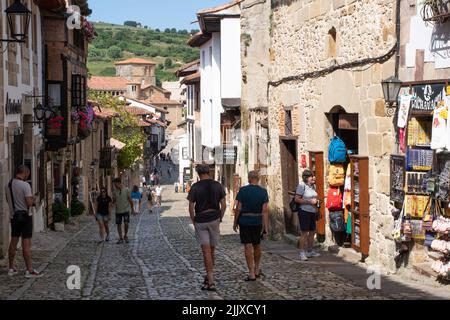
(336, 175)
(337, 152)
(337, 223)
(334, 199)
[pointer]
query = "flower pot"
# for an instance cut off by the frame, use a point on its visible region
(53, 131)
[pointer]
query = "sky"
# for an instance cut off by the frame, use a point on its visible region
(153, 13)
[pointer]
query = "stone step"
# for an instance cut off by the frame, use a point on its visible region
(425, 269)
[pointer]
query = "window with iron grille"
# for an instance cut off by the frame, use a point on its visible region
(78, 91)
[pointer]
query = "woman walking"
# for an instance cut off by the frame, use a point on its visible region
(252, 219)
(136, 196)
(306, 197)
(103, 212)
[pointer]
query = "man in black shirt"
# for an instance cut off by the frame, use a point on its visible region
(103, 212)
(207, 207)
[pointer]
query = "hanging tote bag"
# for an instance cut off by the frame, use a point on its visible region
(337, 151)
(337, 223)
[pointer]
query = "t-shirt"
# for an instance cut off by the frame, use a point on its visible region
(307, 193)
(158, 191)
(252, 198)
(136, 195)
(21, 190)
(206, 194)
(121, 198)
(103, 205)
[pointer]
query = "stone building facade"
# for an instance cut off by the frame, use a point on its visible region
(307, 42)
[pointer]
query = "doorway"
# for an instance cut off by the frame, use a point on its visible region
(289, 172)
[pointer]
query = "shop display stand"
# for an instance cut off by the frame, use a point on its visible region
(360, 205)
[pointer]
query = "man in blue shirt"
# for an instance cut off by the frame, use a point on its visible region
(252, 220)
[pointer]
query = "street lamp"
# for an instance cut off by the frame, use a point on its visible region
(42, 113)
(391, 89)
(18, 10)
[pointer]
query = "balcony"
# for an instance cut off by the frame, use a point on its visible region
(106, 158)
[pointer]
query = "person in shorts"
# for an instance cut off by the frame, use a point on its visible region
(306, 196)
(207, 207)
(103, 213)
(20, 200)
(124, 204)
(252, 219)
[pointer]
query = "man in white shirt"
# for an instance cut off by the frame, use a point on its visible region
(20, 199)
(158, 192)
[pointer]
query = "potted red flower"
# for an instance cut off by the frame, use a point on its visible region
(54, 126)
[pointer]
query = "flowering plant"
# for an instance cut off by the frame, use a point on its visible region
(86, 117)
(55, 123)
(88, 30)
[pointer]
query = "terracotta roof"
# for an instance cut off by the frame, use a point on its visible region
(162, 101)
(154, 121)
(138, 111)
(199, 39)
(144, 124)
(187, 66)
(135, 61)
(107, 83)
(191, 78)
(155, 87)
(104, 113)
(117, 144)
(219, 8)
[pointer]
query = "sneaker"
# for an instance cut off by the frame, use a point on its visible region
(303, 256)
(120, 241)
(33, 275)
(312, 254)
(126, 239)
(13, 272)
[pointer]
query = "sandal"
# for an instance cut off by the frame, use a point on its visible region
(211, 287)
(205, 284)
(248, 279)
(259, 275)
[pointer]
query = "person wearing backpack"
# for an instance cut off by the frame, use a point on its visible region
(306, 197)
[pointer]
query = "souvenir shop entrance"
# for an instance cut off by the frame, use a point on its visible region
(420, 175)
(346, 182)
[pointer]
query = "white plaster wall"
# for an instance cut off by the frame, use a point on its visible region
(423, 37)
(231, 58)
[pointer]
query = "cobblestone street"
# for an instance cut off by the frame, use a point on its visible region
(163, 261)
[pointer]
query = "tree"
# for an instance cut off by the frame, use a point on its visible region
(146, 42)
(168, 63)
(157, 30)
(194, 31)
(125, 129)
(167, 30)
(145, 27)
(173, 30)
(115, 52)
(182, 31)
(131, 24)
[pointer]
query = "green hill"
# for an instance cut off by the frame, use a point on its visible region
(168, 48)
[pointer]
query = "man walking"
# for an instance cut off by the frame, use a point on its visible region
(20, 199)
(124, 204)
(252, 219)
(158, 193)
(207, 207)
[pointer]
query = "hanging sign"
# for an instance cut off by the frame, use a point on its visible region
(427, 96)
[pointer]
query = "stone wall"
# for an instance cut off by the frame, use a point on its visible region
(300, 44)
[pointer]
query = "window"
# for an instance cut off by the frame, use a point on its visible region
(203, 58)
(54, 93)
(332, 51)
(133, 88)
(210, 56)
(78, 39)
(78, 91)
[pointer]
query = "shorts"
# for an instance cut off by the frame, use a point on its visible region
(22, 229)
(208, 233)
(308, 221)
(250, 234)
(102, 217)
(122, 216)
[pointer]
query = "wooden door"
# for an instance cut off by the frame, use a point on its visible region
(316, 164)
(289, 171)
